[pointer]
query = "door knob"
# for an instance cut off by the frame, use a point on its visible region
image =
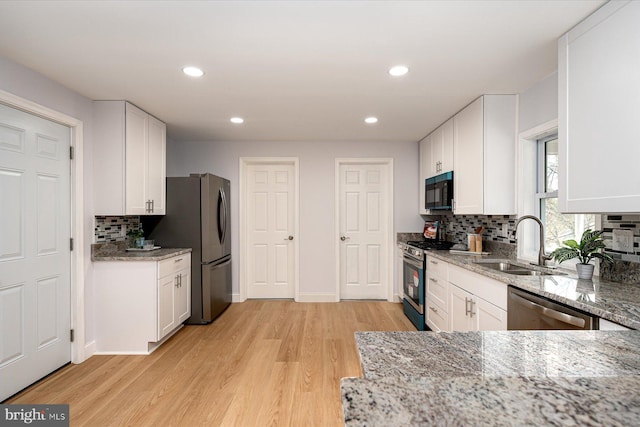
(343, 238)
(288, 238)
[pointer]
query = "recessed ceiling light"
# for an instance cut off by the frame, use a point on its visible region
(193, 71)
(398, 70)
(237, 120)
(371, 120)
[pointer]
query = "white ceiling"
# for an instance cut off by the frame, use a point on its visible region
(295, 70)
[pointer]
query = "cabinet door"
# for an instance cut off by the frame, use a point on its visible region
(489, 317)
(425, 163)
(468, 141)
(183, 297)
(136, 137)
(436, 153)
(459, 319)
(447, 146)
(166, 302)
(156, 160)
(599, 94)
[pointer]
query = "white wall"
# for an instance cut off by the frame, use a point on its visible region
(34, 87)
(317, 164)
(539, 103)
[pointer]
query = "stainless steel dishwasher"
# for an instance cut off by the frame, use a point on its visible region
(531, 312)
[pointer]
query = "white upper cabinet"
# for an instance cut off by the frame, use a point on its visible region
(599, 101)
(425, 171)
(442, 149)
(484, 138)
(129, 160)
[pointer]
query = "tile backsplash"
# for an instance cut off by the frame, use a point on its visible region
(497, 228)
(109, 229)
(626, 229)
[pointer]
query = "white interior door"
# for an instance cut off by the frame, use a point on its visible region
(35, 261)
(364, 201)
(270, 214)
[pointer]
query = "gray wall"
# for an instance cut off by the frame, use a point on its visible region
(317, 165)
(539, 103)
(34, 87)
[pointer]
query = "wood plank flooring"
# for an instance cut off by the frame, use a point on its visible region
(262, 363)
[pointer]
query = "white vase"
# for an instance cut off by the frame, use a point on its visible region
(585, 271)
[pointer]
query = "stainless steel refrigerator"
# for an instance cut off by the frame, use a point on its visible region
(198, 217)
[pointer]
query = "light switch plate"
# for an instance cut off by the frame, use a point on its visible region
(622, 240)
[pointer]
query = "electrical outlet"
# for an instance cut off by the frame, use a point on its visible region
(622, 240)
(505, 230)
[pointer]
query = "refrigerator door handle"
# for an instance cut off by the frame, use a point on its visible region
(220, 213)
(224, 225)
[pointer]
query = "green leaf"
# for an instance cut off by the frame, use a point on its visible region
(564, 254)
(571, 243)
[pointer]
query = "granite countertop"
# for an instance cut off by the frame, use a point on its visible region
(618, 302)
(495, 378)
(614, 301)
(118, 252)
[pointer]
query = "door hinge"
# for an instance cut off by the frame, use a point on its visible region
(72, 334)
(70, 153)
(71, 244)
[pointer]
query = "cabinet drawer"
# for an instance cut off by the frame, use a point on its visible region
(437, 317)
(173, 265)
(437, 268)
(437, 290)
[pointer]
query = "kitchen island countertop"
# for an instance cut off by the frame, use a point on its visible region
(495, 378)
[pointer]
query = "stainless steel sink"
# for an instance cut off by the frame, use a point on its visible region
(515, 269)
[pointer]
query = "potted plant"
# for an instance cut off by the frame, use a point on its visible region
(590, 247)
(136, 238)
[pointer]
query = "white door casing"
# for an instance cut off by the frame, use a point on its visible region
(269, 228)
(35, 257)
(364, 218)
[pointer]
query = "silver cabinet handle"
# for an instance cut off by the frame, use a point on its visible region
(434, 262)
(343, 238)
(435, 310)
(433, 280)
(288, 238)
(471, 303)
(466, 306)
(177, 260)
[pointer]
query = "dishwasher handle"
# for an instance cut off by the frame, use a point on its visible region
(548, 312)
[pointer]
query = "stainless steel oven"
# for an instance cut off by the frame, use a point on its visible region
(413, 285)
(531, 312)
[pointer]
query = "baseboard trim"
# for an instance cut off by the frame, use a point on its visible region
(89, 349)
(317, 297)
(236, 298)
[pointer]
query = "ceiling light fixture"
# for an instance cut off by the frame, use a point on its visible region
(193, 71)
(371, 120)
(398, 70)
(236, 120)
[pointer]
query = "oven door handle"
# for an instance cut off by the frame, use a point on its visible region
(548, 312)
(413, 262)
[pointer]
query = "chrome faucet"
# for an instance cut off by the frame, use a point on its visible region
(542, 257)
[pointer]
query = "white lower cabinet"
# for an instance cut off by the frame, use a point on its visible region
(478, 303)
(140, 303)
(437, 298)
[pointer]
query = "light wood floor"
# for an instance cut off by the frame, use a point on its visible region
(262, 363)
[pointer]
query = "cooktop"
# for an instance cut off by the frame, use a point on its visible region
(427, 244)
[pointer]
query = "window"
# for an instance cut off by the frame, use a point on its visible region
(558, 227)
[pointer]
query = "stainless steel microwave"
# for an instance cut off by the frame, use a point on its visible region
(438, 192)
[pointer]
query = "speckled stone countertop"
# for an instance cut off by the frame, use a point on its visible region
(501, 353)
(477, 401)
(117, 252)
(495, 378)
(614, 301)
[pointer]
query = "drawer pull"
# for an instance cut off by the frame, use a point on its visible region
(435, 310)
(177, 260)
(434, 280)
(434, 262)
